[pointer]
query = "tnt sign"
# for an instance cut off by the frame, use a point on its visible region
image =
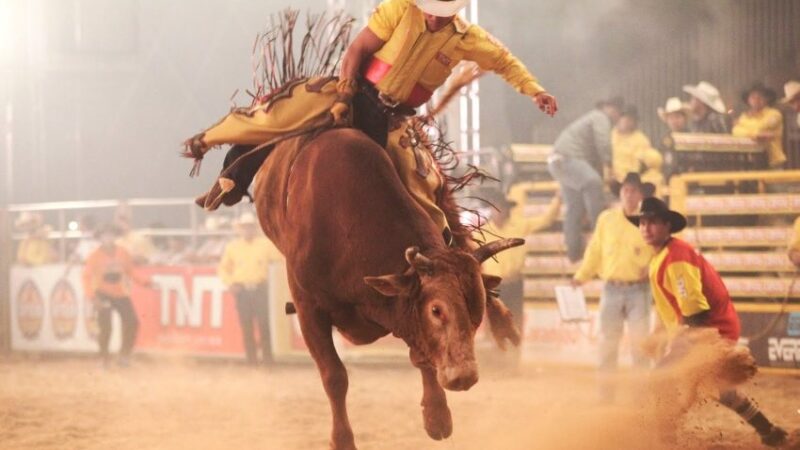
(184, 306)
(784, 349)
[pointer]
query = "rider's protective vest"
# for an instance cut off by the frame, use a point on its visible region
(414, 62)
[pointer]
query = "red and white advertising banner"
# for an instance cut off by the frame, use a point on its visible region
(49, 311)
(191, 312)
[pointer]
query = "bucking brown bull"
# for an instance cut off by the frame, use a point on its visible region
(364, 257)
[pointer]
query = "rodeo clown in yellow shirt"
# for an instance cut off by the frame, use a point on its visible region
(407, 50)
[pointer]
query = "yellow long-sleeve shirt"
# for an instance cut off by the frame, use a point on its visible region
(616, 250)
(34, 251)
(509, 264)
(768, 120)
(627, 151)
(414, 59)
(247, 262)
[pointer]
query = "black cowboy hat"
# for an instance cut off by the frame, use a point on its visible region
(759, 87)
(653, 207)
(647, 189)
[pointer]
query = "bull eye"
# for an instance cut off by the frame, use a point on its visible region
(436, 311)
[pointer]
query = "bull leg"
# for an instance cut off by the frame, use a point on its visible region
(435, 412)
(317, 329)
(501, 322)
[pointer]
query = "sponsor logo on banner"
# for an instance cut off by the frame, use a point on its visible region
(784, 349)
(63, 310)
(30, 310)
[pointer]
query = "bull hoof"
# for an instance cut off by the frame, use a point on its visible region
(438, 421)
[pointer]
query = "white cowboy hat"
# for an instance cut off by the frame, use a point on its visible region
(441, 8)
(674, 104)
(246, 218)
(708, 94)
(28, 220)
(792, 90)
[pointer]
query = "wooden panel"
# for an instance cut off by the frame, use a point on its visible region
(743, 204)
(737, 237)
(739, 287)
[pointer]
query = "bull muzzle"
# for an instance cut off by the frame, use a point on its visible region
(458, 377)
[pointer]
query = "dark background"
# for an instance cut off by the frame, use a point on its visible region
(96, 96)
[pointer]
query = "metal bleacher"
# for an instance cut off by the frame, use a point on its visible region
(740, 221)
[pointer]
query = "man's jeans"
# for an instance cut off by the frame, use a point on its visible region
(582, 192)
(618, 304)
(252, 304)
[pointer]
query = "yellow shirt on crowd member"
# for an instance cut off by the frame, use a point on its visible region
(413, 56)
(768, 120)
(34, 251)
(509, 263)
(627, 151)
(247, 262)
(616, 251)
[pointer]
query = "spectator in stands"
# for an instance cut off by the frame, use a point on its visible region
(107, 276)
(628, 144)
(88, 242)
(675, 115)
(211, 249)
(580, 161)
(689, 292)
(509, 220)
(792, 91)
(762, 123)
(171, 251)
(707, 112)
(35, 248)
(654, 171)
(619, 256)
(794, 244)
(139, 246)
(244, 269)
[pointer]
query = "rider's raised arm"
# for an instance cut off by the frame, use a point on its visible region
(491, 54)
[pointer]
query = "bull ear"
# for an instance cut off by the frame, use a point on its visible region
(490, 282)
(388, 285)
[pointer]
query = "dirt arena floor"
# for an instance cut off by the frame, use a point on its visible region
(171, 404)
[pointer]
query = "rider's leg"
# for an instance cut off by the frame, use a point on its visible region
(420, 174)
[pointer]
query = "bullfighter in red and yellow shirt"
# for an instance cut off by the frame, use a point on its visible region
(407, 50)
(689, 292)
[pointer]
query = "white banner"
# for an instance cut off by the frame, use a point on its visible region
(49, 311)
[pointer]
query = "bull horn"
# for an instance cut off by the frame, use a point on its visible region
(417, 260)
(486, 251)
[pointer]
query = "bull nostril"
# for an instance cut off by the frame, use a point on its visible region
(459, 378)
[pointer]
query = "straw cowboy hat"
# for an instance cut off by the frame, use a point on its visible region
(674, 105)
(28, 220)
(246, 219)
(708, 94)
(791, 90)
(647, 189)
(653, 207)
(441, 8)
